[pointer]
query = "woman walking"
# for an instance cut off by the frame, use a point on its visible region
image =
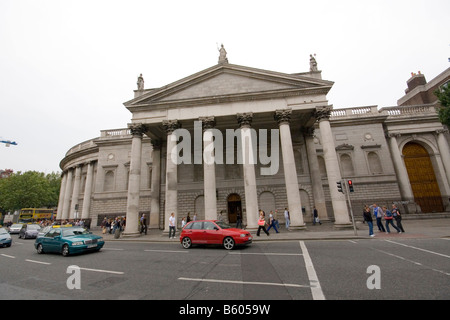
(261, 224)
(368, 218)
(388, 217)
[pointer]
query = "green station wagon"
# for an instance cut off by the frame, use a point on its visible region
(68, 240)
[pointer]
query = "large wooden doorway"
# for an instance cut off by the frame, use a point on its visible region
(234, 206)
(423, 180)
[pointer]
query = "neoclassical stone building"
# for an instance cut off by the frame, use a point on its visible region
(232, 139)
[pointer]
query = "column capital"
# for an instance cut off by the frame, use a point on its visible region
(156, 144)
(137, 129)
(442, 130)
(171, 125)
(207, 122)
(323, 113)
(245, 119)
(283, 116)
(393, 135)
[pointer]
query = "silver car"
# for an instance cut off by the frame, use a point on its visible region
(15, 228)
(29, 231)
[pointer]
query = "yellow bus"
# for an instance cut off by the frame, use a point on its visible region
(28, 215)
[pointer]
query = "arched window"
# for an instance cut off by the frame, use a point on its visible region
(374, 163)
(109, 181)
(346, 165)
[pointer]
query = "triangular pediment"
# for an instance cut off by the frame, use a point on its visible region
(225, 81)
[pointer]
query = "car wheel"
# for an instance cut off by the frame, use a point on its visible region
(186, 243)
(228, 243)
(40, 249)
(65, 250)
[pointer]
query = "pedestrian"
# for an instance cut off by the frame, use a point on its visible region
(316, 217)
(103, 225)
(261, 223)
(143, 224)
(194, 218)
(172, 226)
(183, 222)
(238, 219)
(378, 214)
(272, 222)
(397, 217)
(188, 218)
(368, 218)
(389, 220)
(287, 218)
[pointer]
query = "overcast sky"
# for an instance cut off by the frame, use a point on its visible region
(67, 67)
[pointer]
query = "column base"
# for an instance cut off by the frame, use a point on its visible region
(130, 234)
(299, 227)
(342, 226)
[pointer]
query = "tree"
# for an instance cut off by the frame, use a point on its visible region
(31, 189)
(443, 95)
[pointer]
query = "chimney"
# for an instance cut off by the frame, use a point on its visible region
(417, 79)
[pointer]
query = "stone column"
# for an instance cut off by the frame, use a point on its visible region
(316, 178)
(209, 168)
(338, 201)
(402, 175)
(171, 203)
(134, 181)
(67, 194)
(61, 196)
(88, 191)
(155, 184)
(283, 117)
(444, 150)
(251, 196)
(75, 193)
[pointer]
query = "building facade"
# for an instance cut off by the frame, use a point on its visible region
(232, 140)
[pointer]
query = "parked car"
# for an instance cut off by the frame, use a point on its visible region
(213, 232)
(15, 228)
(5, 238)
(29, 231)
(68, 240)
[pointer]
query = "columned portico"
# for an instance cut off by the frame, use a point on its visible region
(338, 201)
(171, 203)
(209, 168)
(155, 183)
(251, 196)
(131, 229)
(283, 118)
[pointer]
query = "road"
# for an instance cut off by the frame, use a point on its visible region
(371, 269)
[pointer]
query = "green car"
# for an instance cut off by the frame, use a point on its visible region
(68, 240)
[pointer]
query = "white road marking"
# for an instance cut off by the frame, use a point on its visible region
(267, 253)
(316, 289)
(246, 282)
(8, 256)
(405, 245)
(40, 262)
(168, 251)
(113, 249)
(104, 271)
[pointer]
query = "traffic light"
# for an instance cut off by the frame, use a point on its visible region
(350, 185)
(339, 186)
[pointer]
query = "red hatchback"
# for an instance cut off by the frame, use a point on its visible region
(213, 232)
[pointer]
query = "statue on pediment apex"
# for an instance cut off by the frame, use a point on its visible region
(140, 82)
(312, 63)
(222, 55)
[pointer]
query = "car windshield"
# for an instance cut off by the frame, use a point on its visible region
(17, 225)
(74, 232)
(33, 227)
(223, 225)
(3, 231)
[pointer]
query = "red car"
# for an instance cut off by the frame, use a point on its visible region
(213, 232)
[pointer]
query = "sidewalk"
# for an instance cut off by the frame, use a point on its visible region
(417, 228)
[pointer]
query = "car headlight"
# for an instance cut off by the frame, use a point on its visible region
(243, 235)
(77, 243)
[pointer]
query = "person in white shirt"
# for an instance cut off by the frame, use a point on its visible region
(172, 225)
(287, 218)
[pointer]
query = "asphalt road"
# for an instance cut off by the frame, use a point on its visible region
(369, 269)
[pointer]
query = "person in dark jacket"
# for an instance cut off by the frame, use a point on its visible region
(397, 217)
(368, 218)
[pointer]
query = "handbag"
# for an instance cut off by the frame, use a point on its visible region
(261, 222)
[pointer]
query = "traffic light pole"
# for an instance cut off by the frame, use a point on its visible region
(347, 196)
